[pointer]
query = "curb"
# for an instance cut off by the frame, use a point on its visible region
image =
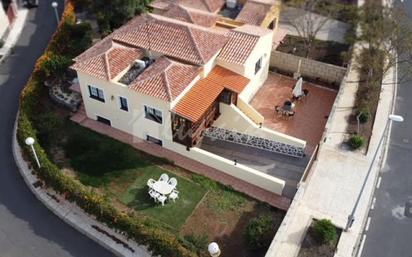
(72, 214)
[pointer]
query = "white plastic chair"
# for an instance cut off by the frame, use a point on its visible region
(151, 182)
(174, 195)
(172, 182)
(153, 194)
(164, 177)
(162, 199)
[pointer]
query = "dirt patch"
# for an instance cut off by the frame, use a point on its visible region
(311, 247)
(228, 227)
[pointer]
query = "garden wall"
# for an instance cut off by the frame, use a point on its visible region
(309, 68)
(239, 171)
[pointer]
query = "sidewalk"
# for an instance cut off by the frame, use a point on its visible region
(14, 34)
(76, 217)
(336, 180)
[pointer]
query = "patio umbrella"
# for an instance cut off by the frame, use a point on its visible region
(297, 90)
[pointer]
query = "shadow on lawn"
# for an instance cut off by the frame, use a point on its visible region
(142, 200)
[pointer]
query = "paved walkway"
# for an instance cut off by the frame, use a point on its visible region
(336, 179)
(14, 34)
(184, 162)
(75, 216)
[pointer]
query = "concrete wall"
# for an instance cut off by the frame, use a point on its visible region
(232, 118)
(239, 171)
(4, 21)
(309, 68)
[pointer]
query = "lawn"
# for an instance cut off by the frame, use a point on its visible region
(205, 211)
(173, 213)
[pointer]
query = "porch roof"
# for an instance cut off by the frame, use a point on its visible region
(202, 95)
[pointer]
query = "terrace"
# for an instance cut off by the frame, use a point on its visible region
(311, 113)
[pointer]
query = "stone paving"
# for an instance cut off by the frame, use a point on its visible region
(184, 162)
(311, 112)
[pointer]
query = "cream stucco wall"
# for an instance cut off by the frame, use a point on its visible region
(232, 118)
(4, 21)
(262, 49)
(132, 121)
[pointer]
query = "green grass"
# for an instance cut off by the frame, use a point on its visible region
(173, 214)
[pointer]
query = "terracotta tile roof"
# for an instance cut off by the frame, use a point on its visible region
(242, 41)
(204, 5)
(165, 79)
(181, 40)
(106, 59)
(212, 6)
(190, 15)
(254, 11)
(202, 95)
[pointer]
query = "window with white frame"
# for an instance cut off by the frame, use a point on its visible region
(258, 65)
(96, 93)
(153, 114)
(123, 104)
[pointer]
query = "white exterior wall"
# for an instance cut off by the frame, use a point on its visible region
(232, 118)
(133, 121)
(262, 49)
(4, 21)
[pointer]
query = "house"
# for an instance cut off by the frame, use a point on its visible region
(220, 13)
(170, 82)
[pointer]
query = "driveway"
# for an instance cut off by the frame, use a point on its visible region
(290, 169)
(27, 228)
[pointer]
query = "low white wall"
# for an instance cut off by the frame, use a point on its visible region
(250, 111)
(309, 68)
(245, 173)
(232, 118)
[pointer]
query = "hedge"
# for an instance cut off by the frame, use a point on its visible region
(141, 229)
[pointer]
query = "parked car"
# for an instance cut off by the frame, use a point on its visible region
(31, 3)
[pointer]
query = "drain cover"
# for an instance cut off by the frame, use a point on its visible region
(408, 209)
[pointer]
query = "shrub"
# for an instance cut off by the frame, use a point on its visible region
(325, 231)
(55, 65)
(143, 230)
(356, 142)
(1, 43)
(196, 243)
(260, 232)
(364, 115)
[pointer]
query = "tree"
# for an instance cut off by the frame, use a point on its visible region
(386, 36)
(309, 17)
(111, 14)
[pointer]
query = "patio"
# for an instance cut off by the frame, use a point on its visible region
(311, 113)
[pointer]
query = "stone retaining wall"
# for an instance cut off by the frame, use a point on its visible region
(309, 68)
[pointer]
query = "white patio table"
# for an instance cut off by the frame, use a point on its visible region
(162, 187)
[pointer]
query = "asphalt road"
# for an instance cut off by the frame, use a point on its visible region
(390, 231)
(27, 228)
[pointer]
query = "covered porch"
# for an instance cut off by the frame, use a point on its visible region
(200, 107)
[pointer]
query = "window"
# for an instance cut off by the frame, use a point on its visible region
(123, 104)
(154, 140)
(104, 120)
(153, 114)
(96, 93)
(258, 65)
